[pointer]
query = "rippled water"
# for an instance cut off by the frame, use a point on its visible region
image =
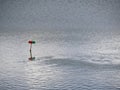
(80, 60)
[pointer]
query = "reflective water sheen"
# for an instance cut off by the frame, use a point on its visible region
(86, 60)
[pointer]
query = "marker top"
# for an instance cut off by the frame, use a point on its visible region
(31, 42)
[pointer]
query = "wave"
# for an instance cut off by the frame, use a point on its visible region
(81, 62)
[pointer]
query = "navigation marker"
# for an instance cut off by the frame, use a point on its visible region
(31, 42)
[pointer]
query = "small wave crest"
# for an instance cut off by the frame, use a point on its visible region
(81, 61)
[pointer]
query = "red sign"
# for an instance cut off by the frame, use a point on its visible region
(31, 42)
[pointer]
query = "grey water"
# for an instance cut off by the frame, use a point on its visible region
(77, 44)
(79, 60)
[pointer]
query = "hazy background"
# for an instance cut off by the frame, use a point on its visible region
(21, 15)
(77, 44)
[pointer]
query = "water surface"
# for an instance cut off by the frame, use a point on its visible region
(79, 60)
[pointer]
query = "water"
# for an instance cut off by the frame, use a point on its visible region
(79, 60)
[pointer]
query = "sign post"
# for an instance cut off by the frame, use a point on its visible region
(31, 42)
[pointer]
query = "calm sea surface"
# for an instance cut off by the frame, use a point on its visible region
(75, 60)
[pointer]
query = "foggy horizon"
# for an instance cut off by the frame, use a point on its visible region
(20, 15)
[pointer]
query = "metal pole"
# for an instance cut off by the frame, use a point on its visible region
(31, 42)
(31, 50)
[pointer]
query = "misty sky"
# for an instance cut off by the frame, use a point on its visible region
(59, 14)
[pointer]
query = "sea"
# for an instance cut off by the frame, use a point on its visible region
(64, 60)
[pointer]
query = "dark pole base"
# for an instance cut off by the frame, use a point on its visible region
(31, 58)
